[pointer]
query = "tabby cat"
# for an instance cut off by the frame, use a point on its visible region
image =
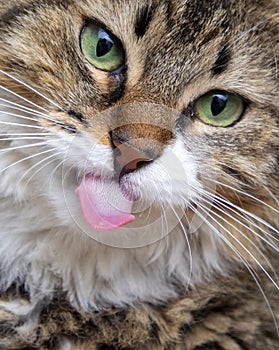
(139, 163)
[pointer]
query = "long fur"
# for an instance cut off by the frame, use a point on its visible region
(198, 267)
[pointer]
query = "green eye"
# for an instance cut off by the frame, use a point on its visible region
(102, 49)
(219, 108)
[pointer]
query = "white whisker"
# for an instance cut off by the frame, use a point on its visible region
(18, 116)
(30, 88)
(238, 242)
(187, 241)
(244, 235)
(21, 138)
(244, 193)
(214, 198)
(36, 120)
(38, 170)
(50, 176)
(23, 125)
(163, 241)
(22, 98)
(242, 210)
(9, 149)
(276, 200)
(244, 261)
(222, 237)
(26, 134)
(17, 107)
(26, 158)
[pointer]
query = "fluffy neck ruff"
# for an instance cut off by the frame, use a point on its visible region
(94, 275)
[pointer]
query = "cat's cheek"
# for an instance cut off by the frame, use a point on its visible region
(82, 153)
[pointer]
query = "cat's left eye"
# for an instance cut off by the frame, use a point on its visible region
(101, 48)
(219, 108)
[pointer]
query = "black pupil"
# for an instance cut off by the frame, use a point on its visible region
(218, 104)
(105, 43)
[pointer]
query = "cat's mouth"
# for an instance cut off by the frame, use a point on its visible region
(104, 204)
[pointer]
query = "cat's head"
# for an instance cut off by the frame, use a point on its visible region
(140, 111)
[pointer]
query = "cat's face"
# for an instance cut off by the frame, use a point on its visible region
(168, 105)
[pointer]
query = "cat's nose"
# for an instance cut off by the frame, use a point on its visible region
(127, 157)
(139, 133)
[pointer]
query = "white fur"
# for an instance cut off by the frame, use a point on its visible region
(46, 243)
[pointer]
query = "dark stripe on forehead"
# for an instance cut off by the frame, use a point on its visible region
(222, 61)
(143, 20)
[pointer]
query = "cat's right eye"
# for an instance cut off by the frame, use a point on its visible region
(219, 108)
(101, 48)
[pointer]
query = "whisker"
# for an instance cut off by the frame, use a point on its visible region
(222, 237)
(250, 222)
(44, 116)
(214, 198)
(245, 236)
(38, 170)
(22, 98)
(36, 120)
(265, 223)
(21, 138)
(18, 107)
(240, 243)
(53, 172)
(18, 116)
(23, 125)
(26, 158)
(244, 261)
(9, 149)
(187, 241)
(255, 217)
(164, 221)
(26, 134)
(30, 88)
(244, 193)
(164, 224)
(276, 200)
(276, 64)
(162, 239)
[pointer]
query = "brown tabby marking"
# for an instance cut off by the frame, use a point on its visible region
(176, 51)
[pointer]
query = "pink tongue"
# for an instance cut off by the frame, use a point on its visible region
(102, 204)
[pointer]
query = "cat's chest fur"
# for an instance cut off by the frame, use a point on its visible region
(139, 175)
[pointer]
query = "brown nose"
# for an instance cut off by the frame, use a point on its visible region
(127, 158)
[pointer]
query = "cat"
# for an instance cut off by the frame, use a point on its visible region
(139, 170)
